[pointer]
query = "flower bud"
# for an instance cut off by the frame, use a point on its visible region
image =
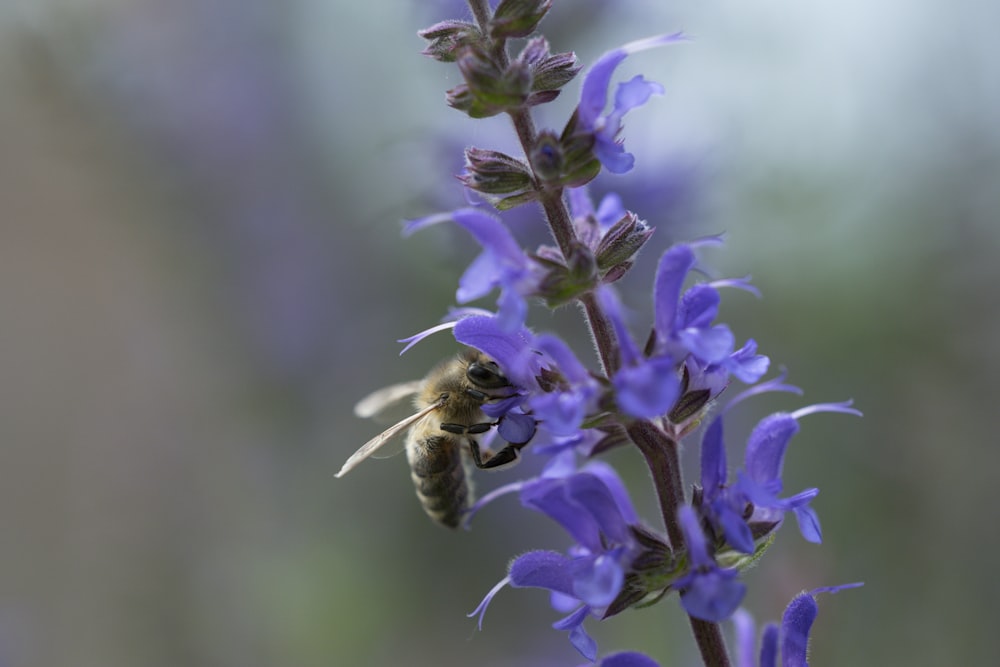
(517, 18)
(622, 241)
(488, 90)
(556, 71)
(448, 38)
(495, 173)
(549, 72)
(546, 156)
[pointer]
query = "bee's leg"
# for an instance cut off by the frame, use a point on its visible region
(461, 429)
(508, 454)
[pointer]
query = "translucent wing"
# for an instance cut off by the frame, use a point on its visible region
(378, 402)
(385, 436)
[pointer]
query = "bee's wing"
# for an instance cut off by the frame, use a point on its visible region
(382, 438)
(379, 402)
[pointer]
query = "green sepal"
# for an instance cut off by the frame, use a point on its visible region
(731, 558)
(514, 201)
(564, 283)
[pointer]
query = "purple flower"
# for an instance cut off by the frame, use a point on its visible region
(759, 482)
(571, 393)
(607, 127)
(644, 387)
(593, 506)
(707, 591)
(683, 322)
(502, 264)
(628, 659)
(793, 636)
(760, 479)
(564, 408)
(591, 224)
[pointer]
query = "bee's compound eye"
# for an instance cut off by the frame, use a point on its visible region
(486, 375)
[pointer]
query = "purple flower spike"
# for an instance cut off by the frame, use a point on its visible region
(594, 97)
(708, 591)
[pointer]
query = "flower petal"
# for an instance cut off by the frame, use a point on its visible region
(591, 494)
(578, 637)
(765, 452)
(594, 91)
(713, 459)
(510, 349)
(617, 488)
(670, 274)
(612, 307)
(490, 233)
(769, 646)
(628, 659)
(710, 345)
(598, 581)
(713, 596)
(698, 307)
(808, 524)
(796, 623)
(517, 428)
(647, 390)
(542, 569)
(562, 412)
(549, 497)
(746, 365)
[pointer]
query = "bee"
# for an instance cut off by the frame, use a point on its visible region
(441, 443)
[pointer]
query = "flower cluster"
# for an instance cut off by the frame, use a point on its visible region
(654, 391)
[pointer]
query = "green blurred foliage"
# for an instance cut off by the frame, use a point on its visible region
(200, 272)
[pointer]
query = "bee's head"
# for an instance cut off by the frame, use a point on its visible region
(484, 373)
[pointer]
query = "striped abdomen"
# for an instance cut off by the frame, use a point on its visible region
(437, 468)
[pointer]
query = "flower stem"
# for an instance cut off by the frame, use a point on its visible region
(481, 10)
(661, 454)
(710, 642)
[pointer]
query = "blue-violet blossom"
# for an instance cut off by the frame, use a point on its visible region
(607, 127)
(593, 506)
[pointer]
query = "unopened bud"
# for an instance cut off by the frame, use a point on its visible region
(495, 173)
(622, 241)
(517, 18)
(448, 38)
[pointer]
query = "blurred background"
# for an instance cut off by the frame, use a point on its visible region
(201, 271)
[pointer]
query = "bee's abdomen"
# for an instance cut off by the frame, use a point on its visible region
(438, 473)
